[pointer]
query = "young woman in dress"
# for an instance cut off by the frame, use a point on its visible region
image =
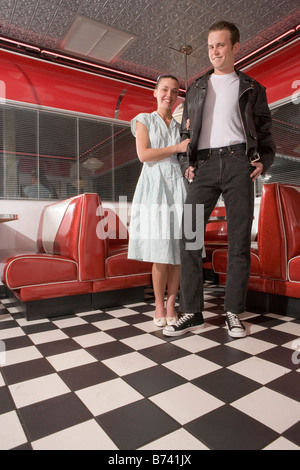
(157, 206)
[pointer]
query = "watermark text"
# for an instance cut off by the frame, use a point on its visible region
(152, 222)
(2, 353)
(296, 353)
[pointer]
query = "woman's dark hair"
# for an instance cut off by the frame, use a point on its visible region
(234, 32)
(166, 76)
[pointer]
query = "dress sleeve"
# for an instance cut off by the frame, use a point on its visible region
(144, 118)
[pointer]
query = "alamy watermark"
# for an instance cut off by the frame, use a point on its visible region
(296, 94)
(2, 354)
(153, 222)
(296, 353)
(2, 91)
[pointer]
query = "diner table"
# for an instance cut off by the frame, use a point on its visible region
(8, 217)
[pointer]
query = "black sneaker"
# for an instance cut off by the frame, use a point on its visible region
(187, 322)
(235, 327)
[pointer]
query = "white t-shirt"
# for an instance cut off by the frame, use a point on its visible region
(221, 121)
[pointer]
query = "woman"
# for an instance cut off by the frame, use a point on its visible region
(159, 198)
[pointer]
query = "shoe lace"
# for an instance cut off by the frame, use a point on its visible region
(233, 320)
(184, 318)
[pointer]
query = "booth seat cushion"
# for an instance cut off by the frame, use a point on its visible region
(219, 261)
(119, 265)
(27, 270)
(294, 270)
(216, 229)
(54, 290)
(116, 249)
(121, 282)
(211, 247)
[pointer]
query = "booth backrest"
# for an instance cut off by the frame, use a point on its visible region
(58, 230)
(290, 204)
(74, 229)
(271, 235)
(279, 229)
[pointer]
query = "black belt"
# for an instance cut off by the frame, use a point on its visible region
(204, 154)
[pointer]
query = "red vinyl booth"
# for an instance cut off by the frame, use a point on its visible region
(215, 237)
(275, 256)
(80, 264)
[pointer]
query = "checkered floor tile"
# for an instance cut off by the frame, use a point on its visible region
(111, 380)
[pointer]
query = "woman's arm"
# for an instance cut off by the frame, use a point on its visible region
(148, 154)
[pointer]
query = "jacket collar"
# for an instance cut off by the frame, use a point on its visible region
(245, 80)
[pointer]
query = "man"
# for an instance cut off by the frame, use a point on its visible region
(227, 118)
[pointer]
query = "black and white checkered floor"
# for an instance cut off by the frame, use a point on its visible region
(111, 380)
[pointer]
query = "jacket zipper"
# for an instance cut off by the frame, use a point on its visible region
(250, 88)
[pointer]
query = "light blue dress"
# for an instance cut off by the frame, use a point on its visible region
(157, 207)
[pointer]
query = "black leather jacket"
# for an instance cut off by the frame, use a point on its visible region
(255, 114)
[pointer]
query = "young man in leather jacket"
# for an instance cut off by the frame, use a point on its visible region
(227, 118)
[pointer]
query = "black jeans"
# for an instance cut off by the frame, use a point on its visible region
(226, 171)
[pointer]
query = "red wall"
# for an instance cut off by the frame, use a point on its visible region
(48, 84)
(44, 83)
(279, 72)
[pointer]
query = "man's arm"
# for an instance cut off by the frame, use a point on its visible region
(263, 124)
